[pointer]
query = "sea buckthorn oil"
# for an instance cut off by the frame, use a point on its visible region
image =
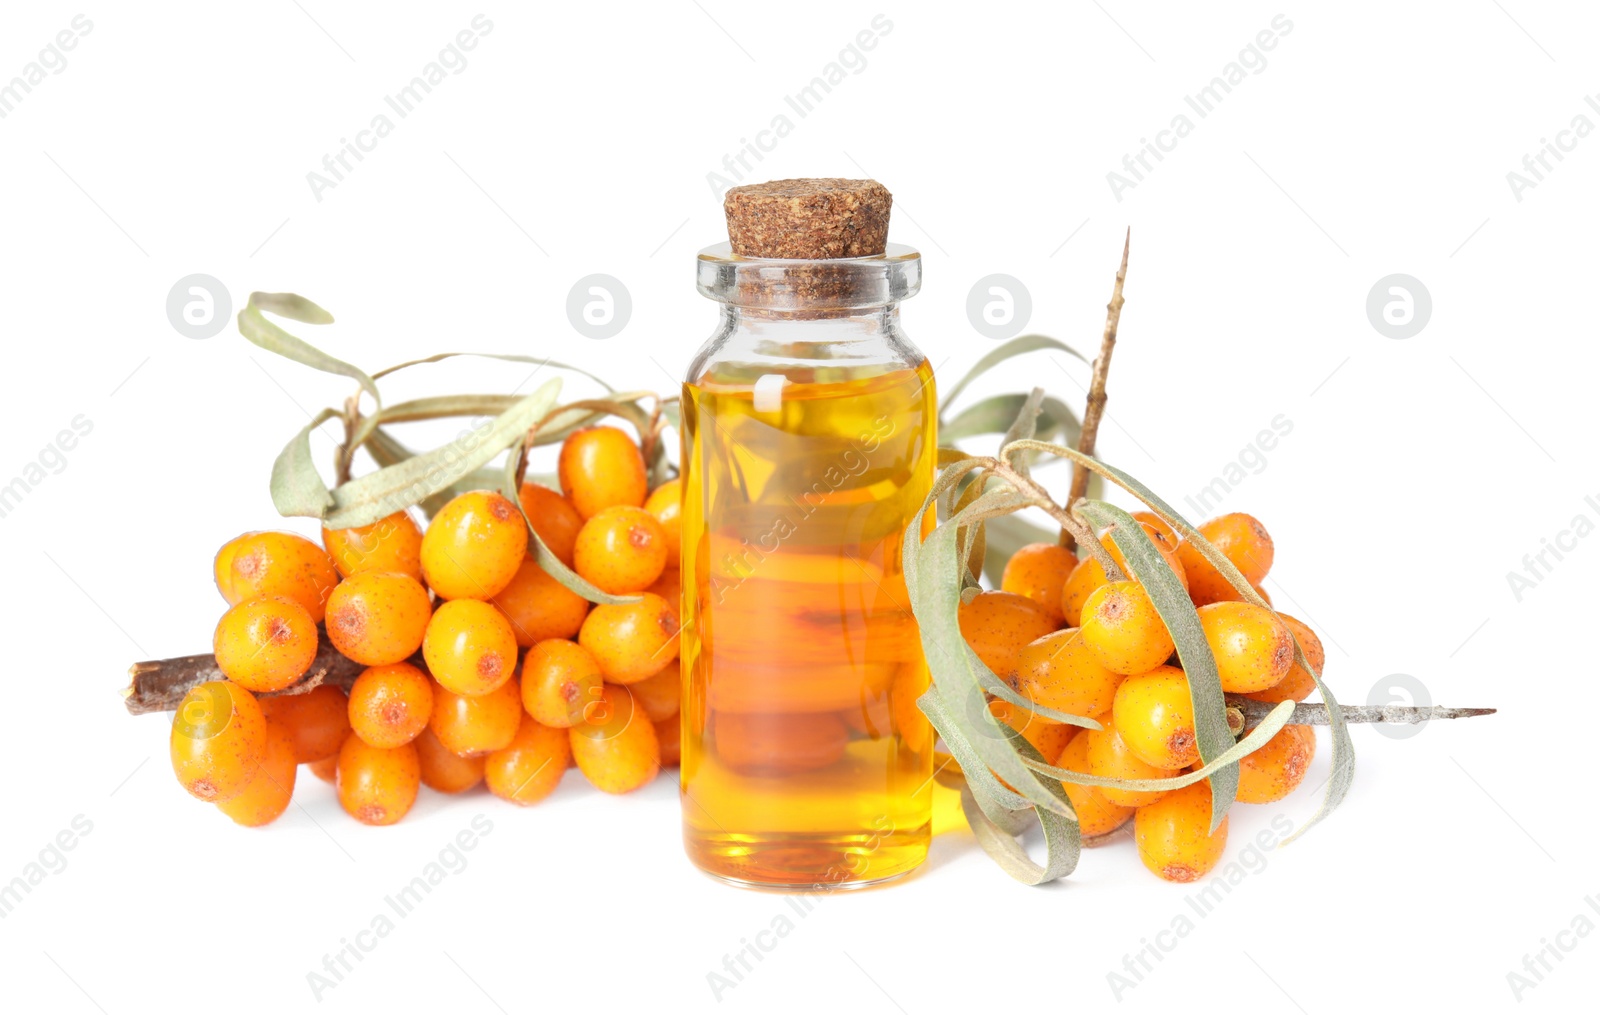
(808, 448)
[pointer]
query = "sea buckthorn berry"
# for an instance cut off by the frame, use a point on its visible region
(1243, 540)
(669, 587)
(267, 794)
(219, 736)
(317, 721)
(470, 647)
(377, 785)
(1155, 521)
(473, 546)
(1090, 575)
(1153, 714)
(553, 517)
(1253, 648)
(327, 769)
(470, 726)
(265, 643)
(665, 503)
(390, 705)
(1059, 671)
(539, 607)
(275, 564)
(1048, 738)
(1039, 571)
(1123, 629)
(775, 744)
(376, 617)
(1108, 755)
(632, 641)
(560, 679)
(621, 550)
(615, 746)
(388, 544)
(1174, 837)
(1277, 767)
(998, 624)
(669, 735)
(530, 768)
(444, 771)
(1096, 814)
(659, 695)
(599, 467)
(1299, 683)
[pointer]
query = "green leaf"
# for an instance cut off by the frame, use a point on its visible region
(995, 414)
(447, 407)
(364, 500)
(1062, 842)
(254, 326)
(297, 488)
(1018, 346)
(505, 356)
(1177, 612)
(541, 553)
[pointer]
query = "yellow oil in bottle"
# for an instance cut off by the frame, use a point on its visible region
(805, 759)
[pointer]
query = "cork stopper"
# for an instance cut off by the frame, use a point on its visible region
(808, 219)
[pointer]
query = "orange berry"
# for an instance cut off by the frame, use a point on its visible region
(615, 746)
(1048, 738)
(1276, 768)
(669, 587)
(1299, 683)
(539, 607)
(621, 550)
(1059, 671)
(599, 467)
(218, 738)
(669, 734)
(1123, 629)
(267, 794)
(665, 503)
(473, 546)
(632, 641)
(1243, 540)
(388, 544)
(1155, 521)
(1153, 714)
(1096, 814)
(530, 768)
(1253, 648)
(377, 785)
(265, 643)
(998, 624)
(553, 517)
(1174, 837)
(275, 564)
(443, 771)
(470, 726)
(659, 695)
(390, 705)
(1089, 575)
(1039, 571)
(327, 769)
(773, 744)
(376, 617)
(469, 647)
(317, 721)
(1108, 755)
(559, 680)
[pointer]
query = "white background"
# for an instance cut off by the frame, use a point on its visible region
(578, 139)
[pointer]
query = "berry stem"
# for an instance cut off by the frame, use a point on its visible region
(159, 685)
(1096, 405)
(1314, 713)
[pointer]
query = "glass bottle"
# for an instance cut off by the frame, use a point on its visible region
(808, 446)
